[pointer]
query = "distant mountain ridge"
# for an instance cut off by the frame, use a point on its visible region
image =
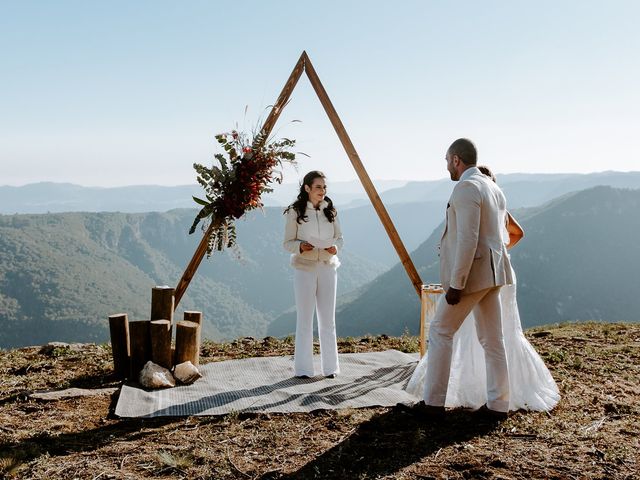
(579, 260)
(49, 197)
(62, 274)
(522, 190)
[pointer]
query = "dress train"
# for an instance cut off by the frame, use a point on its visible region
(530, 383)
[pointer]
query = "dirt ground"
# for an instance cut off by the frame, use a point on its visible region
(593, 433)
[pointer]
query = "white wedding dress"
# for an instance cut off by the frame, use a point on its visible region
(530, 383)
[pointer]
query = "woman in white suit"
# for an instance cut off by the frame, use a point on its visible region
(313, 236)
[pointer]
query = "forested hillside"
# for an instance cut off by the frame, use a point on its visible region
(61, 275)
(579, 260)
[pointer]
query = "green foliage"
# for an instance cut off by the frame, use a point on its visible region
(237, 184)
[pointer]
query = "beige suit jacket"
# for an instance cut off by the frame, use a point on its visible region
(473, 253)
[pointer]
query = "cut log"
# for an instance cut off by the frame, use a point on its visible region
(161, 343)
(140, 344)
(119, 331)
(195, 317)
(162, 303)
(187, 342)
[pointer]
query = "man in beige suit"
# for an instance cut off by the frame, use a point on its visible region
(473, 266)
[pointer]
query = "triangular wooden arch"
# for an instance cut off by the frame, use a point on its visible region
(304, 64)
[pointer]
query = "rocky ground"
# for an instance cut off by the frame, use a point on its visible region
(593, 433)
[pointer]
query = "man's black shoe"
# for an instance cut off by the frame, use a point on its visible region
(486, 413)
(429, 412)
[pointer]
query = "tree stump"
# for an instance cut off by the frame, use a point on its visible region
(140, 344)
(161, 343)
(119, 332)
(195, 317)
(187, 342)
(162, 303)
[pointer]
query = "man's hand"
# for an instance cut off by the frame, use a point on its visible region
(305, 247)
(332, 250)
(453, 296)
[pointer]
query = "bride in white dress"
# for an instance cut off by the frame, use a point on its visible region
(531, 385)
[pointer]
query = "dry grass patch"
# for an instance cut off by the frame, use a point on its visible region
(593, 433)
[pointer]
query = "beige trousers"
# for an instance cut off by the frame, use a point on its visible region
(486, 308)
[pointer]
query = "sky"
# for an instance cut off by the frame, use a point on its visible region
(133, 92)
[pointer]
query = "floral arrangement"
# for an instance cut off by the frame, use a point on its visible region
(235, 186)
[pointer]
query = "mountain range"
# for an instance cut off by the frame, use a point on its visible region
(62, 274)
(522, 190)
(579, 260)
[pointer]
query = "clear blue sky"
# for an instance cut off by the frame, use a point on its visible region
(132, 92)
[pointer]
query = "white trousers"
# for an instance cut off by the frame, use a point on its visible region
(316, 290)
(487, 312)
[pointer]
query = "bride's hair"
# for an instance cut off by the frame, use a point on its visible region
(300, 205)
(487, 171)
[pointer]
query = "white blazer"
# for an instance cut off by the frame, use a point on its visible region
(473, 254)
(317, 225)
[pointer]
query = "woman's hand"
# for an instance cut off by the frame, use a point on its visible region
(332, 250)
(305, 247)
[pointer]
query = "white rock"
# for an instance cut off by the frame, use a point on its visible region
(186, 372)
(155, 376)
(50, 347)
(49, 396)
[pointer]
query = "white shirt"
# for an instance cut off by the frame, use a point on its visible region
(316, 225)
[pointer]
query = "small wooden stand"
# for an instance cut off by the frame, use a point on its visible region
(428, 300)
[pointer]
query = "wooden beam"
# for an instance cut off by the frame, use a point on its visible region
(283, 99)
(266, 131)
(363, 175)
(193, 265)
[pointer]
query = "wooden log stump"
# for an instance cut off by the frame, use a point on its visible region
(119, 332)
(187, 342)
(162, 303)
(161, 343)
(140, 344)
(195, 317)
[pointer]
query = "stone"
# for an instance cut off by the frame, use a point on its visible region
(186, 372)
(155, 376)
(52, 347)
(52, 396)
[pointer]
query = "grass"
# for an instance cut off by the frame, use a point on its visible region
(593, 433)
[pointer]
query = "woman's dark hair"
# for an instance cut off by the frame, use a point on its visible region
(300, 205)
(487, 171)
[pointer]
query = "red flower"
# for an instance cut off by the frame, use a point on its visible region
(246, 150)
